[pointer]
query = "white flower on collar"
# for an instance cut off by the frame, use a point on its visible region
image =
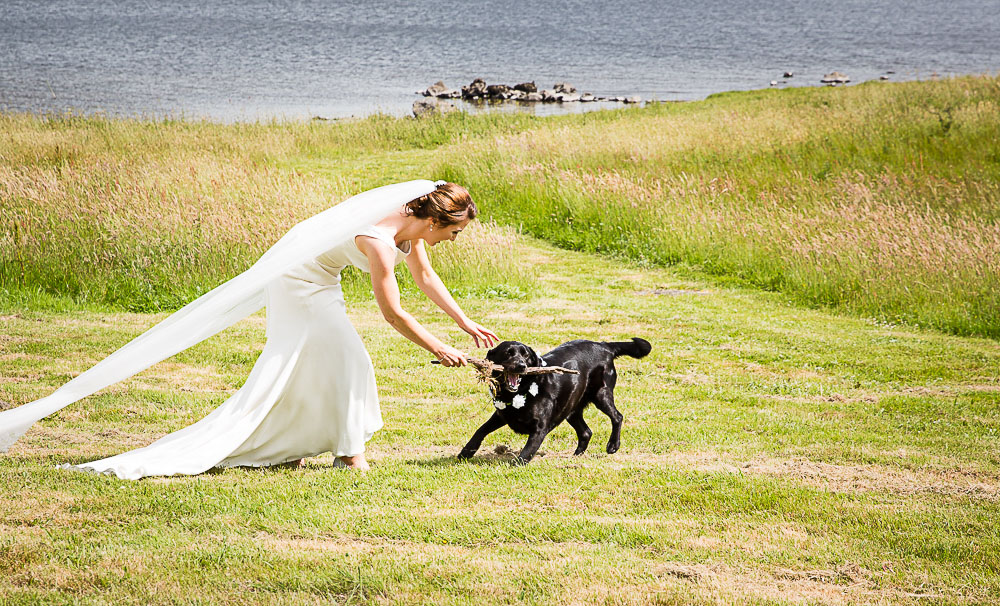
(533, 390)
(499, 404)
(518, 401)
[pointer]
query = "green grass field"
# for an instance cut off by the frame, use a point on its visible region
(779, 447)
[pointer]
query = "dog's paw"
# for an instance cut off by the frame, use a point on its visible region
(612, 448)
(519, 462)
(465, 455)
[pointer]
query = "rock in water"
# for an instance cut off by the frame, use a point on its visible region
(788, 75)
(435, 89)
(526, 87)
(475, 90)
(835, 78)
(564, 87)
(422, 108)
(497, 91)
(431, 107)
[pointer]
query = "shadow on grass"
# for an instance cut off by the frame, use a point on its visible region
(501, 456)
(494, 459)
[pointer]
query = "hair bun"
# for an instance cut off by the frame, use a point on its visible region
(448, 204)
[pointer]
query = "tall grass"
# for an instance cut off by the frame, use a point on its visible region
(484, 261)
(145, 216)
(879, 199)
(883, 200)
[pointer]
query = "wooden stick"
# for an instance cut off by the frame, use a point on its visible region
(486, 366)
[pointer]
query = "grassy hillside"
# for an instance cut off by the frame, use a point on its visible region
(879, 199)
(145, 216)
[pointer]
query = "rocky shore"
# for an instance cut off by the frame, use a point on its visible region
(526, 92)
(438, 95)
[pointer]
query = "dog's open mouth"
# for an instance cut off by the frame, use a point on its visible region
(511, 381)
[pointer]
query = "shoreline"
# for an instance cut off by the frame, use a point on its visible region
(291, 114)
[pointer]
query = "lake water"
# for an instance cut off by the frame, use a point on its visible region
(246, 59)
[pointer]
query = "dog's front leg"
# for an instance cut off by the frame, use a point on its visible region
(532, 445)
(492, 424)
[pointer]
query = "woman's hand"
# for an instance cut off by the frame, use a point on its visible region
(483, 337)
(449, 356)
(429, 282)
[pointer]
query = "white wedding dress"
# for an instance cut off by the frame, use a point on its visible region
(312, 389)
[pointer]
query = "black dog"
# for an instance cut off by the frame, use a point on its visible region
(536, 404)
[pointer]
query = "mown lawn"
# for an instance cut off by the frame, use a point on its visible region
(771, 455)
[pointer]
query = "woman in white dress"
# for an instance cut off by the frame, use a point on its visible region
(312, 389)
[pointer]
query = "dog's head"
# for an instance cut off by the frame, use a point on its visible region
(515, 358)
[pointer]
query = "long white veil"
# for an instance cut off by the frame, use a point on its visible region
(221, 307)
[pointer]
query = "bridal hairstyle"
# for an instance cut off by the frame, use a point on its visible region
(447, 205)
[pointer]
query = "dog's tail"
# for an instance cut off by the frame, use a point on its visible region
(636, 348)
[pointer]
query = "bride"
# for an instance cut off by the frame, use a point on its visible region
(312, 389)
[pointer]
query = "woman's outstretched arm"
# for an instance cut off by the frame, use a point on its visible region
(381, 264)
(430, 283)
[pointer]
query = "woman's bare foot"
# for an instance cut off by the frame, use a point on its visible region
(356, 462)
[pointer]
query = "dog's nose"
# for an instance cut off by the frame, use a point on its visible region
(518, 368)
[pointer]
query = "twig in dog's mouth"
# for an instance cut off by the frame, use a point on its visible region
(487, 367)
(486, 371)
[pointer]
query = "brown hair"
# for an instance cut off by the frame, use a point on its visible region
(449, 204)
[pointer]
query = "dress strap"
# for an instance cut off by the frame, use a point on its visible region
(374, 231)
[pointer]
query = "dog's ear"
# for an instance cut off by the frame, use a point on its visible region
(495, 355)
(533, 358)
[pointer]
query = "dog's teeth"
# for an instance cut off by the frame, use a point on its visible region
(513, 381)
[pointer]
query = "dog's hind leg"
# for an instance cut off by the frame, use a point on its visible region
(583, 432)
(604, 400)
(492, 424)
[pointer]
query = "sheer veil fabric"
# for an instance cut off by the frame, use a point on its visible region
(217, 310)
